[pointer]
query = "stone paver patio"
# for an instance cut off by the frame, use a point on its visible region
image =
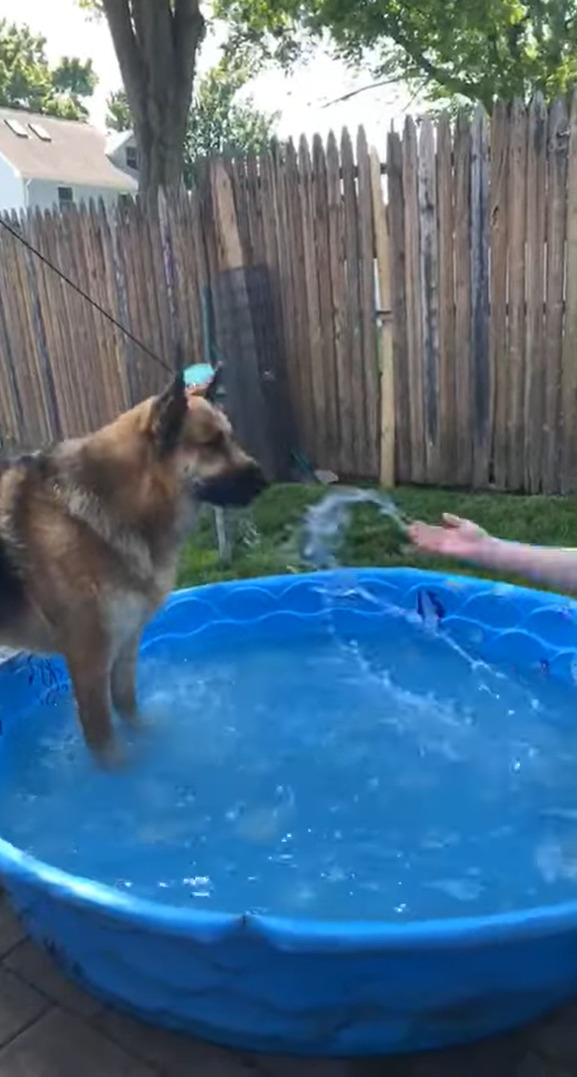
(49, 1028)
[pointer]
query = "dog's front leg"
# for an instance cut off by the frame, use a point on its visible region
(89, 665)
(123, 680)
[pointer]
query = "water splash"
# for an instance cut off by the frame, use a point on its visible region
(325, 522)
(324, 525)
(323, 528)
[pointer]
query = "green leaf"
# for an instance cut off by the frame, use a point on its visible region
(28, 81)
(477, 49)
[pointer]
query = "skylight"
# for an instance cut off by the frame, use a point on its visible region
(40, 132)
(17, 128)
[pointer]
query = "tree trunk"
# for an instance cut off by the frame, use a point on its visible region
(157, 42)
(160, 141)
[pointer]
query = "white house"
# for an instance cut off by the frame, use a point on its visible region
(121, 150)
(47, 163)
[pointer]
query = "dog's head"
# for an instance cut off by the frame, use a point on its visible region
(195, 438)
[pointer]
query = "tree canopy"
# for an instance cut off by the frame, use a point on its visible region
(219, 121)
(473, 49)
(222, 122)
(28, 81)
(118, 116)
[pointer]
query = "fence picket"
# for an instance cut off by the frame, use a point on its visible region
(554, 300)
(313, 305)
(339, 304)
(498, 205)
(354, 323)
(413, 291)
(429, 267)
(446, 218)
(322, 252)
(534, 414)
(463, 472)
(569, 371)
(366, 232)
(387, 376)
(396, 209)
(516, 342)
(480, 354)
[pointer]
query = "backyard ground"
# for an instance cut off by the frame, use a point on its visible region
(49, 1028)
(268, 537)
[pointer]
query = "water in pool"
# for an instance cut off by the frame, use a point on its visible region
(385, 778)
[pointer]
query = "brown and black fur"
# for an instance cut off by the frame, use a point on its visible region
(89, 540)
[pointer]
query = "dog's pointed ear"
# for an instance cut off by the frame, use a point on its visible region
(210, 390)
(168, 414)
(215, 384)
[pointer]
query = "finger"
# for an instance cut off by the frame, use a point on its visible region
(417, 531)
(453, 521)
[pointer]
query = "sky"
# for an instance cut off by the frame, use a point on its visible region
(299, 98)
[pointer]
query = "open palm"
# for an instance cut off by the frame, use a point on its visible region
(455, 538)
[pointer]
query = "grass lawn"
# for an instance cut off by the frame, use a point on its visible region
(268, 537)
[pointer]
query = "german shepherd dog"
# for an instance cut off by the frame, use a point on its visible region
(89, 539)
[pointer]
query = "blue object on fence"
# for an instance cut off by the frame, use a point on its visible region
(292, 984)
(197, 374)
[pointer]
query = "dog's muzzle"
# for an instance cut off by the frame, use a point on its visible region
(235, 488)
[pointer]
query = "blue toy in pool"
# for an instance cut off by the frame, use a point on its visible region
(301, 981)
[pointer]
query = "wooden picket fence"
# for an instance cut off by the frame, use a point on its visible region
(424, 306)
(64, 368)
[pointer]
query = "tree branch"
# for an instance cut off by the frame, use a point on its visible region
(390, 81)
(443, 78)
(126, 47)
(154, 27)
(188, 29)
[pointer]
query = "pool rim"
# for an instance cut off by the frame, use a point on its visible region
(297, 934)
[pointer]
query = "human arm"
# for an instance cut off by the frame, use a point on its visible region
(551, 565)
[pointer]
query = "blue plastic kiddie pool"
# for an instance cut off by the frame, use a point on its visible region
(301, 982)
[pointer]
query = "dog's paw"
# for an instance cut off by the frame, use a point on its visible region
(113, 755)
(141, 722)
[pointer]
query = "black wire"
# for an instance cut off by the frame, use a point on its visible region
(84, 295)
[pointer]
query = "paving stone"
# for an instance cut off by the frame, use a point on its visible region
(556, 1037)
(36, 967)
(174, 1055)
(62, 1045)
(534, 1066)
(500, 1057)
(20, 1005)
(11, 930)
(279, 1066)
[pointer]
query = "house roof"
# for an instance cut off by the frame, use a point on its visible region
(74, 154)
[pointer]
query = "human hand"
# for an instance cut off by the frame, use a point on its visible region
(455, 538)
